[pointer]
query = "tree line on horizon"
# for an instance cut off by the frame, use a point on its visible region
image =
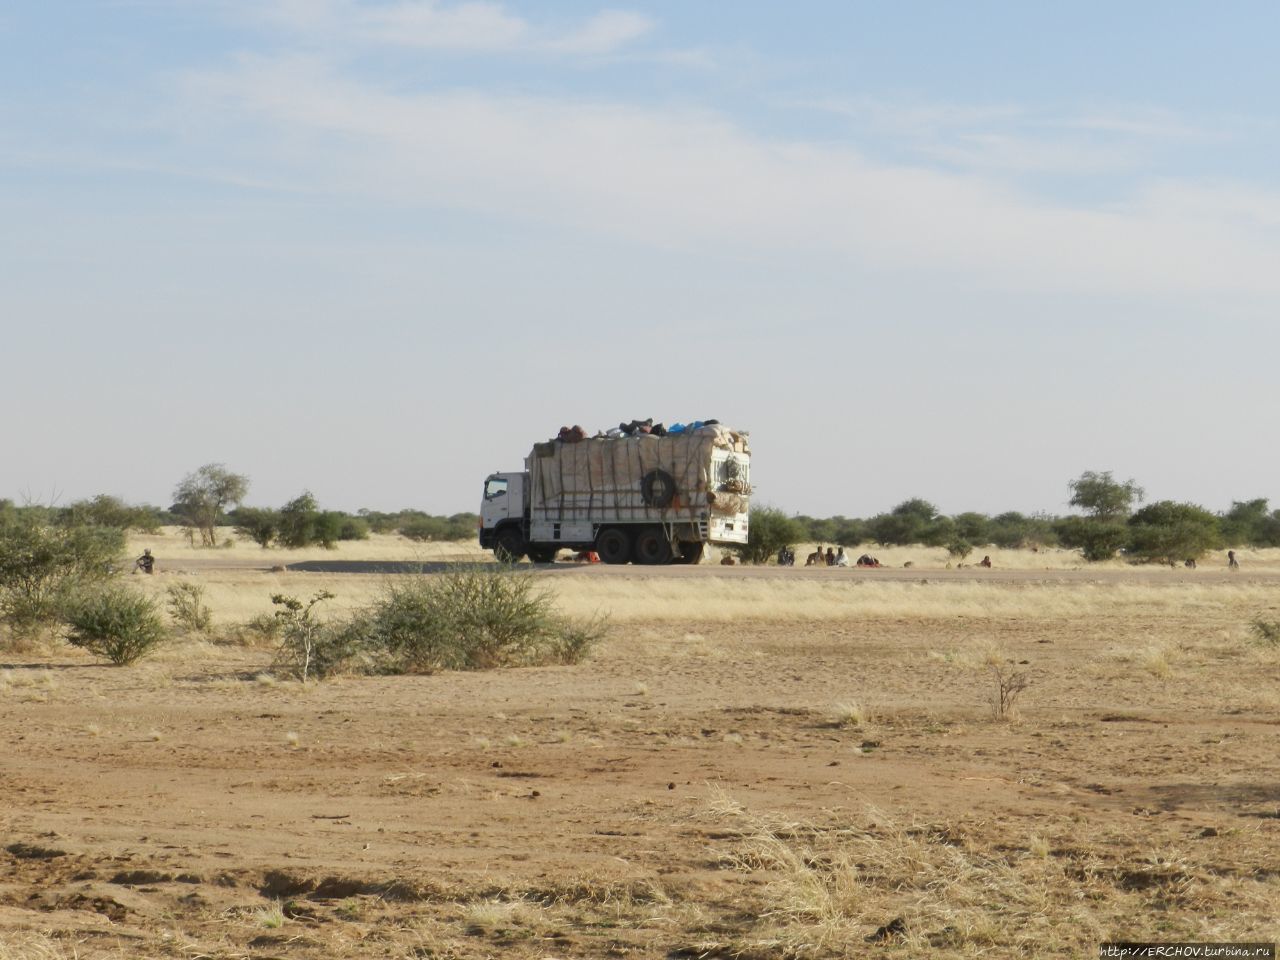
(1109, 523)
(213, 497)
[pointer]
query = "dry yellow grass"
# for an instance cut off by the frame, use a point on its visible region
(728, 599)
(171, 547)
(945, 889)
(237, 595)
(1048, 558)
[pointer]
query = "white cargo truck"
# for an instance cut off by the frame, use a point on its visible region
(642, 498)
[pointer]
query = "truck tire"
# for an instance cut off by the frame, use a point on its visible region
(657, 489)
(614, 545)
(543, 554)
(652, 547)
(510, 545)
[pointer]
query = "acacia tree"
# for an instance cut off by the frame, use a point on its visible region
(1103, 497)
(1107, 503)
(202, 497)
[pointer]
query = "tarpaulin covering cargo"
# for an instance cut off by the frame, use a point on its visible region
(677, 476)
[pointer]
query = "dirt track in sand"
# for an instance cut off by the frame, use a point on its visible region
(158, 810)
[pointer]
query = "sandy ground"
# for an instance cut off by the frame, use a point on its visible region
(784, 776)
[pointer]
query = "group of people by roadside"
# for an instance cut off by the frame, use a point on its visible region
(828, 557)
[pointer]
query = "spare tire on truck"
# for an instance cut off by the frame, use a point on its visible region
(657, 489)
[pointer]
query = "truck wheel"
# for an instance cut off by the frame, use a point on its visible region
(652, 547)
(614, 545)
(510, 547)
(543, 554)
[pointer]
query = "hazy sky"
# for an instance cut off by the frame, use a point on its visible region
(963, 251)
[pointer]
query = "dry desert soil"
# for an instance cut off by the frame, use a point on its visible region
(800, 766)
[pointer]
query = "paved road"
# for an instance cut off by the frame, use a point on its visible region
(1143, 574)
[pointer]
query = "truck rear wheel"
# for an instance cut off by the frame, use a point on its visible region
(510, 546)
(614, 545)
(652, 546)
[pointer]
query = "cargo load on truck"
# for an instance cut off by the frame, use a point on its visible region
(644, 493)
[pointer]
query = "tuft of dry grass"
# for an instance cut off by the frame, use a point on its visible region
(850, 714)
(271, 917)
(34, 946)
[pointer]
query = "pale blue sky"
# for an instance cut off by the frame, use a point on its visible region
(376, 249)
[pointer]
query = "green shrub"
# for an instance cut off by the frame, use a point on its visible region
(1169, 532)
(959, 548)
(259, 524)
(297, 520)
(352, 528)
(1013, 530)
(423, 526)
(308, 646)
(769, 530)
(1096, 539)
(42, 563)
(468, 620)
(327, 530)
(108, 511)
(113, 622)
(187, 606)
(972, 527)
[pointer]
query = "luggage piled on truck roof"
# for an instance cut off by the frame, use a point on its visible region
(636, 429)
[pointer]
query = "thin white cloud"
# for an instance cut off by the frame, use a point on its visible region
(912, 118)
(693, 180)
(473, 26)
(1145, 124)
(604, 33)
(466, 26)
(1027, 154)
(1000, 138)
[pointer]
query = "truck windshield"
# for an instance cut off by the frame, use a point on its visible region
(495, 487)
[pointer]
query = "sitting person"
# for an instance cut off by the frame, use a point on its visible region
(831, 557)
(841, 559)
(146, 563)
(985, 562)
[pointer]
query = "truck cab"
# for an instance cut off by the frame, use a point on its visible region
(503, 512)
